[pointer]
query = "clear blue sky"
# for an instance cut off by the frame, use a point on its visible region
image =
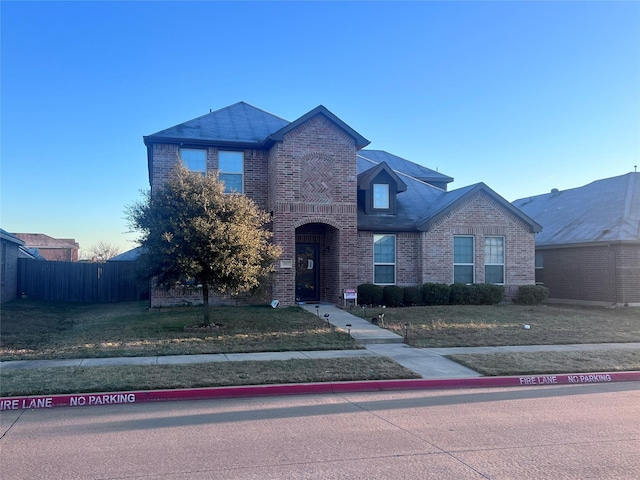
(523, 96)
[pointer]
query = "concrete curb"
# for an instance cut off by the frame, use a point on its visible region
(119, 398)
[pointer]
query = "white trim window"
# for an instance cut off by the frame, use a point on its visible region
(231, 166)
(463, 266)
(384, 259)
(195, 159)
(494, 260)
(381, 196)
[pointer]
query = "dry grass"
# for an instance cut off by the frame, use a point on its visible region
(48, 381)
(550, 362)
(466, 326)
(45, 330)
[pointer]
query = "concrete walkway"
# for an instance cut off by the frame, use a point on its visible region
(430, 363)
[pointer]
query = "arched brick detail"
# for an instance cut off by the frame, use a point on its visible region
(329, 221)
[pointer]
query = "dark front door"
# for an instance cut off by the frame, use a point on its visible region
(307, 273)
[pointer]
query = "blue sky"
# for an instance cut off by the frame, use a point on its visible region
(523, 96)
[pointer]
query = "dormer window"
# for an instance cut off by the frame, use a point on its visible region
(378, 188)
(381, 196)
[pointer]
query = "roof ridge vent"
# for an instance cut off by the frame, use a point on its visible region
(555, 191)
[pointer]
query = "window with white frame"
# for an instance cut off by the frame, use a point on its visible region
(494, 260)
(381, 196)
(195, 159)
(463, 267)
(231, 166)
(384, 259)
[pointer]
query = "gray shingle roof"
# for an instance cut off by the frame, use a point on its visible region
(410, 168)
(422, 203)
(603, 211)
(240, 123)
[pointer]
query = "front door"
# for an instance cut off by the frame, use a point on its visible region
(307, 273)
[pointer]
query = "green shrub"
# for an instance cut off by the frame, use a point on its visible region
(412, 296)
(370, 294)
(435, 293)
(392, 295)
(488, 294)
(531, 294)
(461, 294)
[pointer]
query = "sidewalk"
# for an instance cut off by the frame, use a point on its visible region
(430, 363)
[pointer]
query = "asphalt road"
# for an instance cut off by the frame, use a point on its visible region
(556, 432)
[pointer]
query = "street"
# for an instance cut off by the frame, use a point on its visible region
(542, 432)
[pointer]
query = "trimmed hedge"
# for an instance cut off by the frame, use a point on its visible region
(488, 294)
(476, 294)
(439, 294)
(393, 295)
(435, 293)
(370, 294)
(412, 296)
(531, 295)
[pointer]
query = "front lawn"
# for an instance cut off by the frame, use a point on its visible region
(47, 330)
(473, 326)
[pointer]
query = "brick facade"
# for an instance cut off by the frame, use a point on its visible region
(312, 181)
(306, 175)
(428, 256)
(608, 273)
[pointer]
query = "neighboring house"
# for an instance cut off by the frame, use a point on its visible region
(55, 249)
(343, 215)
(12, 249)
(589, 249)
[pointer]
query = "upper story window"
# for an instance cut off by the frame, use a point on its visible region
(381, 196)
(231, 166)
(463, 267)
(494, 260)
(384, 259)
(195, 159)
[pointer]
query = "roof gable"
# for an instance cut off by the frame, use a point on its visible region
(602, 211)
(450, 200)
(366, 178)
(320, 110)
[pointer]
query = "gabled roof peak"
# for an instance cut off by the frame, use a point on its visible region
(320, 110)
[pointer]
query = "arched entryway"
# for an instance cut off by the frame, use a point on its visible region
(316, 263)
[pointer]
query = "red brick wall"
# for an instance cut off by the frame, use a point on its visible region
(428, 256)
(312, 179)
(165, 159)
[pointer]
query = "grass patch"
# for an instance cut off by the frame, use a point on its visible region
(60, 380)
(538, 363)
(45, 330)
(473, 326)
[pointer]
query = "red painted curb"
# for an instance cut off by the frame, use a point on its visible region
(119, 398)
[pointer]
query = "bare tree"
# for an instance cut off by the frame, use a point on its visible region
(103, 251)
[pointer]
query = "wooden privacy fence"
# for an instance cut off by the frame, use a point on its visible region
(79, 282)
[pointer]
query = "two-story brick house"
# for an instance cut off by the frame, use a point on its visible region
(344, 215)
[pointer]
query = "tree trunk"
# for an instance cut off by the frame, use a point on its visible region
(205, 305)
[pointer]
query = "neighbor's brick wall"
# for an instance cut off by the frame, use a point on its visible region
(10, 279)
(595, 273)
(628, 274)
(312, 179)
